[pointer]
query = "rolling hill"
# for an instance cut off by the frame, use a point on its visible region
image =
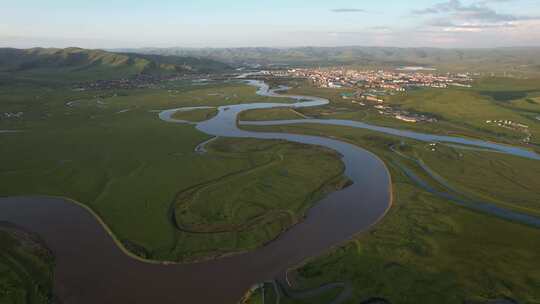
(485, 60)
(82, 64)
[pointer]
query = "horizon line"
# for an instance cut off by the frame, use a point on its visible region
(273, 47)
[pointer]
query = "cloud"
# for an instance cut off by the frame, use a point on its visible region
(469, 25)
(454, 16)
(476, 27)
(425, 11)
(477, 11)
(348, 10)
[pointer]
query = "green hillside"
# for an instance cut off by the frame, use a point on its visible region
(482, 60)
(81, 64)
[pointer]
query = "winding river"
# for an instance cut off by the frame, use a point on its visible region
(91, 268)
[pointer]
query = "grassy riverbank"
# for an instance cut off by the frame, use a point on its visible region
(508, 181)
(196, 115)
(427, 249)
(271, 292)
(248, 207)
(26, 268)
(270, 114)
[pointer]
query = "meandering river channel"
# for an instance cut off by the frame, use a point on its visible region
(91, 268)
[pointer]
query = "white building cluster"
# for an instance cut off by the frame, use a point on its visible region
(382, 79)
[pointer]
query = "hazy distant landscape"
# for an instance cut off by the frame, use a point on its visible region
(368, 155)
(509, 60)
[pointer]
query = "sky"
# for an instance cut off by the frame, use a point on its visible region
(269, 23)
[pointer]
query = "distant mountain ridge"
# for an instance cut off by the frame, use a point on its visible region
(77, 63)
(503, 57)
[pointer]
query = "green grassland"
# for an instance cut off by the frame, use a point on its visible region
(270, 114)
(508, 181)
(195, 115)
(507, 84)
(96, 154)
(45, 103)
(471, 108)
(26, 268)
(428, 250)
(270, 196)
(504, 180)
(530, 103)
(219, 94)
(460, 111)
